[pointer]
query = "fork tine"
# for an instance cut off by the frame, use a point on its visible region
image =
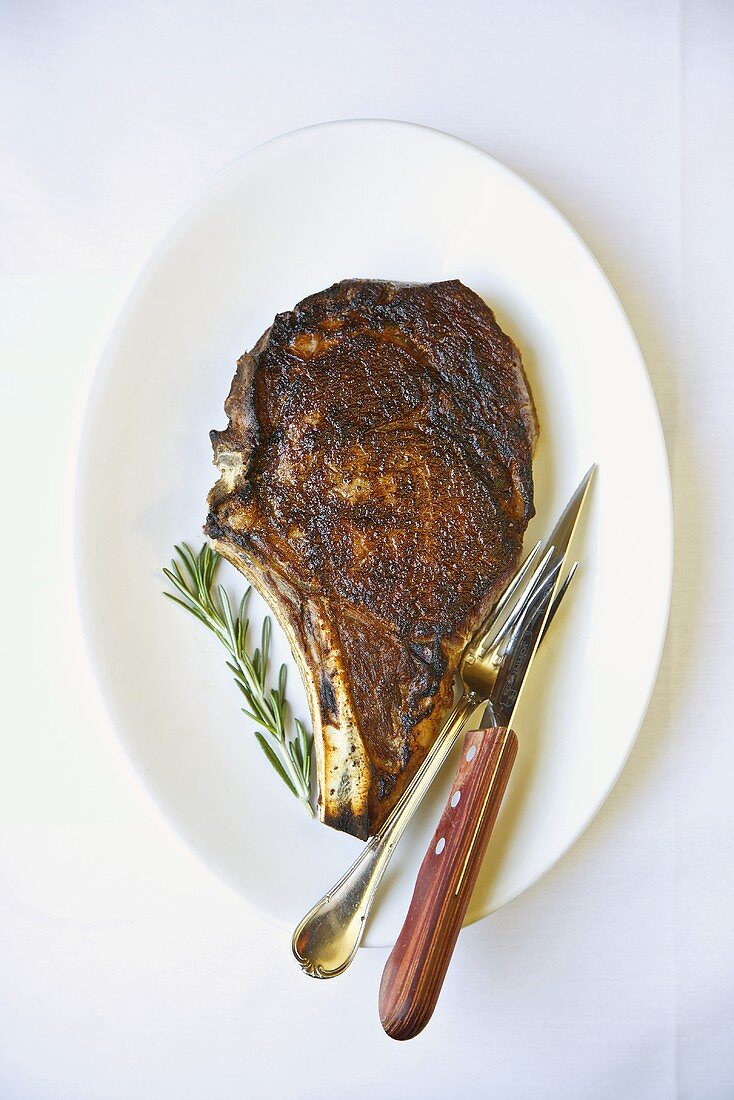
(558, 544)
(516, 580)
(488, 630)
(502, 630)
(520, 593)
(557, 601)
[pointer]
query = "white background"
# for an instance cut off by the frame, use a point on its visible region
(126, 969)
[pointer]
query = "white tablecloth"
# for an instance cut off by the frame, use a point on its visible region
(126, 969)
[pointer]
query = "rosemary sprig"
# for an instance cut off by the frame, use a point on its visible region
(193, 576)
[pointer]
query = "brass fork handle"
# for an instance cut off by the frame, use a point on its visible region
(326, 940)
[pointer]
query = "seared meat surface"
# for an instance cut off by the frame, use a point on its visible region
(376, 483)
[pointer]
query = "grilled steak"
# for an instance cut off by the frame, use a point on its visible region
(376, 483)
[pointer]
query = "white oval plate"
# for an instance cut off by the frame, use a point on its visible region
(389, 200)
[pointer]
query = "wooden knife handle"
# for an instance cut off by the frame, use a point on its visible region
(416, 968)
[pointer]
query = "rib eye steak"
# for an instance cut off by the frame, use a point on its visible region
(376, 483)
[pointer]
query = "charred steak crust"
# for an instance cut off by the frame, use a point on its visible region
(376, 483)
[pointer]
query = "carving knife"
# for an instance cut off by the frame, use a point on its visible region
(417, 965)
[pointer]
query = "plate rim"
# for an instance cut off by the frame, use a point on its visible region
(96, 371)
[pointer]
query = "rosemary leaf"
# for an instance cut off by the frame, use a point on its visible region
(192, 576)
(275, 762)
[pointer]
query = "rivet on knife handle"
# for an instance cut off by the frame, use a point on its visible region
(416, 968)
